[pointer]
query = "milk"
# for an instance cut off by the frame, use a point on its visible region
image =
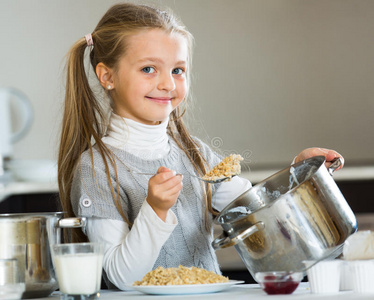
(79, 273)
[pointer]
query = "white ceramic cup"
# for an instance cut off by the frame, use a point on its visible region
(78, 268)
(362, 274)
(346, 279)
(324, 276)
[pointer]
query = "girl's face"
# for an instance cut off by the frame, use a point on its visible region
(150, 81)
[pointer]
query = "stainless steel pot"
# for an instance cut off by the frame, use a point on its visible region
(297, 214)
(28, 238)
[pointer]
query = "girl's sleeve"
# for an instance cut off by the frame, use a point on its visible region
(130, 254)
(228, 191)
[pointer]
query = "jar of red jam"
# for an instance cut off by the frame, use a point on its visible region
(275, 283)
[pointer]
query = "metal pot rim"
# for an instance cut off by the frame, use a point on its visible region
(320, 161)
(33, 214)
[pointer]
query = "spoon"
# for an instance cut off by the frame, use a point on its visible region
(200, 178)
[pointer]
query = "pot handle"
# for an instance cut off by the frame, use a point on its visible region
(335, 163)
(224, 241)
(72, 222)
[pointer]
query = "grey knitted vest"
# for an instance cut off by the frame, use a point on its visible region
(190, 243)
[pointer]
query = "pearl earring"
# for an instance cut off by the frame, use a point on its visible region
(109, 87)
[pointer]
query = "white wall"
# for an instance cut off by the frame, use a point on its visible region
(271, 77)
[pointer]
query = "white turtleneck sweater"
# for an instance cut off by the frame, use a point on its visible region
(129, 255)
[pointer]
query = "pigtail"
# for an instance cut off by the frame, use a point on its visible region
(82, 124)
(71, 144)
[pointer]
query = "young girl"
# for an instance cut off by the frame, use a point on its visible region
(142, 60)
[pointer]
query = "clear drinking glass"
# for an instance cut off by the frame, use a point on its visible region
(78, 269)
(11, 285)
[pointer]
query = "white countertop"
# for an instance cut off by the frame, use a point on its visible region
(239, 292)
(24, 187)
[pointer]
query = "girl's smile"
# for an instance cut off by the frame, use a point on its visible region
(150, 81)
(161, 100)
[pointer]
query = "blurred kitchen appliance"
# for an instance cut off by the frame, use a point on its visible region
(28, 237)
(12, 98)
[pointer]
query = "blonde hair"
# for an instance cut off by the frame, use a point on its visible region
(84, 118)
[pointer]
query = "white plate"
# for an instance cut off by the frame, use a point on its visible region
(185, 289)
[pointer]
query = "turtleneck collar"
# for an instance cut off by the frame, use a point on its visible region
(128, 135)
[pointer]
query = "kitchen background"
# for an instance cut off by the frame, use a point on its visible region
(270, 78)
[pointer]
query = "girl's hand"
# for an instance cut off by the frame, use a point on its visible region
(328, 154)
(163, 191)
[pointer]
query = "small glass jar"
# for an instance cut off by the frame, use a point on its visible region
(277, 282)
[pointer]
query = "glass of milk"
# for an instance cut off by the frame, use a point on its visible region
(78, 268)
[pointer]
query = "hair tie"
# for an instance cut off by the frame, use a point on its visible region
(89, 39)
